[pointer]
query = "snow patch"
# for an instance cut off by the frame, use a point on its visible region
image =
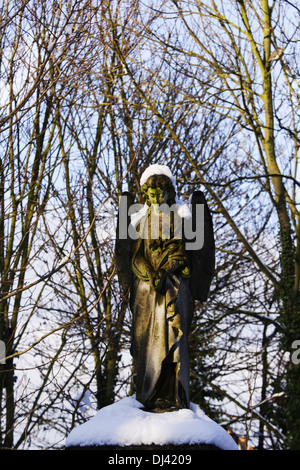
(124, 423)
(157, 170)
(137, 216)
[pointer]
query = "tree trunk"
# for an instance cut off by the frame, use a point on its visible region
(288, 296)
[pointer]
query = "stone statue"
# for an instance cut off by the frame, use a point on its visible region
(165, 271)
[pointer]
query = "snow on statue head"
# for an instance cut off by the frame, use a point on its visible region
(157, 170)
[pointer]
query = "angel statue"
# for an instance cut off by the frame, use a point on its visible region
(166, 270)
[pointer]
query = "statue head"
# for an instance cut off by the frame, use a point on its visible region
(158, 185)
(158, 189)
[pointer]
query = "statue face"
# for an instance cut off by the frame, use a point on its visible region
(158, 190)
(157, 196)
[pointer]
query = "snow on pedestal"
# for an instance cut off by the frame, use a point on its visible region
(125, 424)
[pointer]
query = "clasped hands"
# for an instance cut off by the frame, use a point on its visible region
(157, 278)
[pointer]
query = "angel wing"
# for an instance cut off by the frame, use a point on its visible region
(123, 245)
(202, 261)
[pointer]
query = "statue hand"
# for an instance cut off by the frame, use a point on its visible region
(152, 278)
(186, 272)
(159, 279)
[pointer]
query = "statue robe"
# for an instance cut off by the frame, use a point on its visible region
(161, 320)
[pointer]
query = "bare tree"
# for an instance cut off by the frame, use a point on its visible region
(94, 92)
(38, 54)
(234, 57)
